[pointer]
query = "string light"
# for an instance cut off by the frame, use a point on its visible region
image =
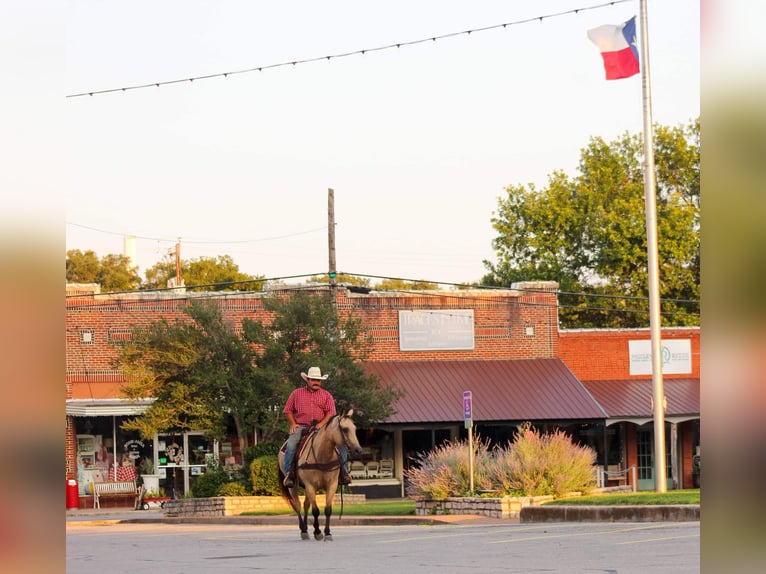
(347, 54)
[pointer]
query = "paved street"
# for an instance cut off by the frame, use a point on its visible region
(560, 547)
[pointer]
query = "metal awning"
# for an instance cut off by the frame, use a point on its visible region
(106, 407)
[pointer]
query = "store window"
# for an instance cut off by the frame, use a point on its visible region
(106, 452)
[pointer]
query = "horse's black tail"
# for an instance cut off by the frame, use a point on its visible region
(284, 491)
(286, 494)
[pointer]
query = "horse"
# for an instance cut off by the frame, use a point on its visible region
(318, 467)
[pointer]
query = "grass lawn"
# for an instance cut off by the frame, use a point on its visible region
(621, 499)
(388, 508)
(406, 507)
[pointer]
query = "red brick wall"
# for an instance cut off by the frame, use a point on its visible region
(601, 354)
(96, 326)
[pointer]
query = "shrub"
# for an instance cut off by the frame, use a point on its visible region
(233, 489)
(253, 452)
(208, 484)
(444, 471)
(533, 465)
(542, 464)
(264, 475)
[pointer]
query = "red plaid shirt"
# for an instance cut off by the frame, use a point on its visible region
(309, 406)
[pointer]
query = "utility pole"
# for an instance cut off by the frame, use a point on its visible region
(178, 263)
(332, 271)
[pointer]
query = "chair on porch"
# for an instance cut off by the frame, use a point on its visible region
(373, 469)
(386, 468)
(614, 473)
(357, 469)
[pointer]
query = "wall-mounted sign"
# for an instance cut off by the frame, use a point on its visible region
(676, 357)
(442, 330)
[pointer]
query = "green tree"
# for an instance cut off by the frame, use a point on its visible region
(404, 285)
(589, 233)
(306, 331)
(341, 278)
(112, 272)
(198, 371)
(210, 273)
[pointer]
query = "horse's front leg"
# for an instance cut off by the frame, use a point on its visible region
(317, 532)
(303, 520)
(327, 516)
(330, 497)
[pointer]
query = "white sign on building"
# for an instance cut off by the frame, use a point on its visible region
(676, 357)
(443, 330)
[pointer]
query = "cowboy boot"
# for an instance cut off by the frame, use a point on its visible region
(289, 481)
(344, 477)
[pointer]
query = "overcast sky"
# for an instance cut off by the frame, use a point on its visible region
(418, 142)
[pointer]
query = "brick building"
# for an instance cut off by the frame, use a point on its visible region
(502, 345)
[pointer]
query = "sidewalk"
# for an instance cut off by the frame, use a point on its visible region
(105, 516)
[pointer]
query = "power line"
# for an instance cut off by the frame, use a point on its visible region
(200, 241)
(347, 54)
(277, 286)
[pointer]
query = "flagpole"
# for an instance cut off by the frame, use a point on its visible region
(658, 394)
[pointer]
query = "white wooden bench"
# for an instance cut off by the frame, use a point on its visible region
(113, 489)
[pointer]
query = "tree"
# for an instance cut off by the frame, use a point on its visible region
(341, 278)
(202, 374)
(403, 285)
(306, 331)
(209, 273)
(198, 371)
(589, 234)
(112, 272)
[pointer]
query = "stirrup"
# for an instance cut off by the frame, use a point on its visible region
(344, 478)
(289, 481)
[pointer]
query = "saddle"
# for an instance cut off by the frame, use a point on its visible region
(308, 434)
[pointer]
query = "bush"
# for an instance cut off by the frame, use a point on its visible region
(233, 489)
(208, 484)
(264, 475)
(533, 465)
(542, 464)
(444, 471)
(253, 452)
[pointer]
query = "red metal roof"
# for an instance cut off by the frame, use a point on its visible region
(633, 397)
(513, 390)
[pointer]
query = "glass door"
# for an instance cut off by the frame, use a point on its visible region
(645, 448)
(181, 457)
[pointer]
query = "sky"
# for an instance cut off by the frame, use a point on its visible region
(417, 142)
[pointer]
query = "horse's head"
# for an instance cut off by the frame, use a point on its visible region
(348, 433)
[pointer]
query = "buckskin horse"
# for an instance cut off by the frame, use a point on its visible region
(317, 467)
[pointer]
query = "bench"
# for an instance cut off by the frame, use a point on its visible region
(113, 489)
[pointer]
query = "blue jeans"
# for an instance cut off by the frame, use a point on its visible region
(292, 445)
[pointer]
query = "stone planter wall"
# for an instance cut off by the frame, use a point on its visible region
(236, 505)
(500, 507)
(505, 507)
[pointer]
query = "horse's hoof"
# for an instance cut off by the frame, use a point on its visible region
(304, 535)
(328, 538)
(318, 536)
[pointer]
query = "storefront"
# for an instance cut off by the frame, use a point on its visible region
(168, 463)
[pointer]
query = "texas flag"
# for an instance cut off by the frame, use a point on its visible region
(617, 44)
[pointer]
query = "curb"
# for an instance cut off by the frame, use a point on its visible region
(278, 520)
(635, 513)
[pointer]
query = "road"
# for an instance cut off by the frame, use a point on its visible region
(622, 548)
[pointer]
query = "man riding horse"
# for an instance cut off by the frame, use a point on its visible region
(306, 406)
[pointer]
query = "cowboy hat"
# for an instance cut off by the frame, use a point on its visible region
(314, 373)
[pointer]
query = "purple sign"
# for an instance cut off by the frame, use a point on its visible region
(467, 406)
